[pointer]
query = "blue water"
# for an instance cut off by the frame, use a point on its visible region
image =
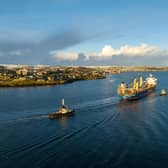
(104, 132)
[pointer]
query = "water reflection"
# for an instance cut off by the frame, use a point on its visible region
(151, 101)
(63, 122)
(125, 105)
(133, 106)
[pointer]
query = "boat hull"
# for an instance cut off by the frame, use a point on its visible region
(59, 114)
(138, 95)
(163, 94)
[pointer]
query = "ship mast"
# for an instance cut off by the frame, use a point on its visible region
(134, 83)
(62, 102)
(137, 86)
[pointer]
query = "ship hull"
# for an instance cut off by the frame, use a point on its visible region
(59, 114)
(138, 95)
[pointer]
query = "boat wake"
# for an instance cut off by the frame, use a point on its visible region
(97, 103)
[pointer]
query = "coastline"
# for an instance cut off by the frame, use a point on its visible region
(24, 76)
(31, 83)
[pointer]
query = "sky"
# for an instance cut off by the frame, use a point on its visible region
(84, 32)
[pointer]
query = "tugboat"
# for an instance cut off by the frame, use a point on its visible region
(137, 90)
(63, 111)
(163, 92)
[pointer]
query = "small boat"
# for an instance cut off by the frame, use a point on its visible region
(63, 111)
(163, 92)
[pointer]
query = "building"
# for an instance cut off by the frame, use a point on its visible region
(22, 72)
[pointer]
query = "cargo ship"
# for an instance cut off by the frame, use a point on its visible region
(137, 89)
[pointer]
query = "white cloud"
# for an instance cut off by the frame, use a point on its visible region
(142, 50)
(64, 56)
(14, 53)
(107, 51)
(127, 50)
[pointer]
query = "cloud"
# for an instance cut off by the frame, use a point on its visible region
(143, 50)
(19, 52)
(53, 41)
(142, 54)
(14, 53)
(63, 56)
(38, 50)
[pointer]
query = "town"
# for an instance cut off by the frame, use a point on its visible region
(23, 75)
(45, 75)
